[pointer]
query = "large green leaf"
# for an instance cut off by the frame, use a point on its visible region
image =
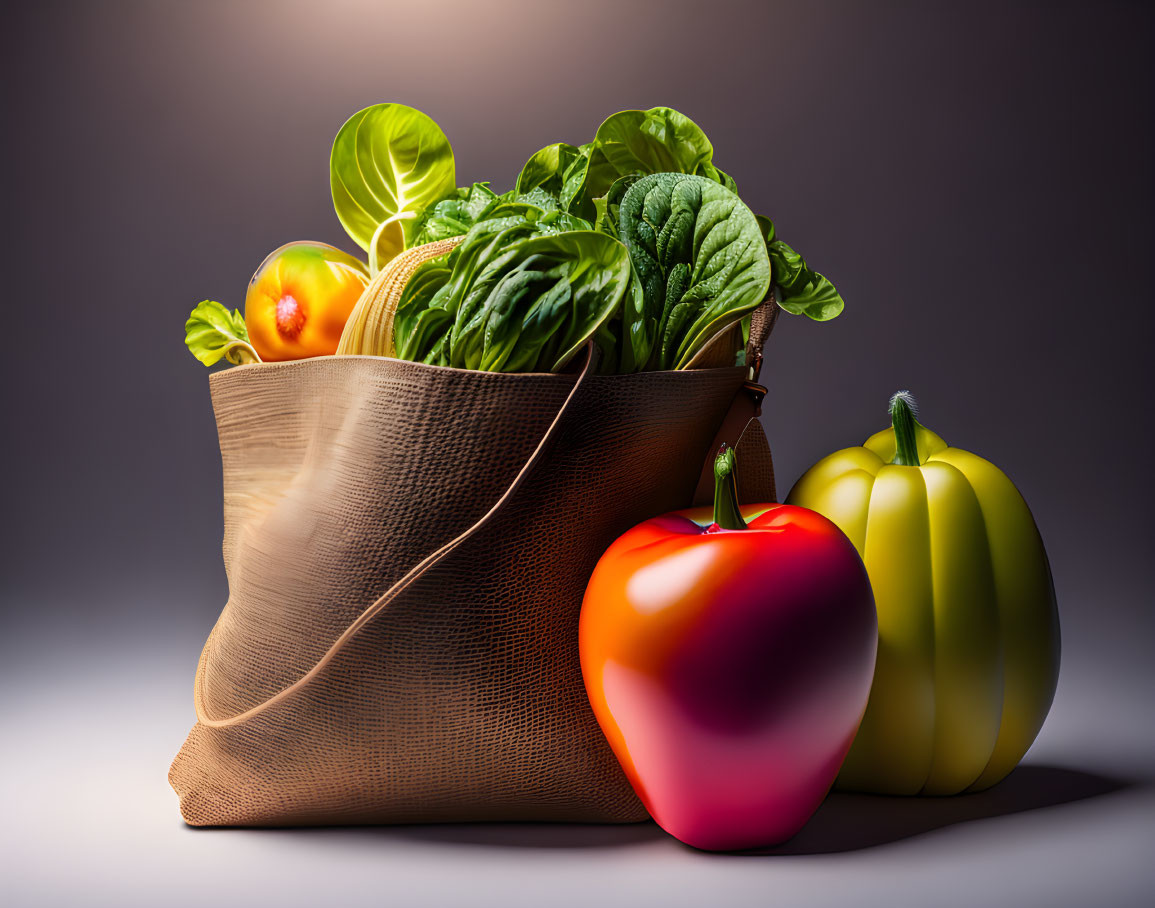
(388, 164)
(700, 258)
(658, 140)
(512, 298)
(631, 142)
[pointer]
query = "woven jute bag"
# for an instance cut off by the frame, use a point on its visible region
(407, 547)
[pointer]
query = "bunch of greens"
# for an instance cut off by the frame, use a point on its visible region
(635, 239)
(514, 296)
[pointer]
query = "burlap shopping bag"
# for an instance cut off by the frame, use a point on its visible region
(407, 547)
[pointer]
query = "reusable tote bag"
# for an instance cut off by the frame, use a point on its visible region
(407, 547)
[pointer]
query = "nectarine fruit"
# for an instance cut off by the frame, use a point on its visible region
(300, 298)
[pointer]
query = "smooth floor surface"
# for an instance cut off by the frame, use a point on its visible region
(89, 818)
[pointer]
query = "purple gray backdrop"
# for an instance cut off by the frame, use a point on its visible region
(976, 178)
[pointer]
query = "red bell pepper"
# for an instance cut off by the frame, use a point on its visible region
(728, 657)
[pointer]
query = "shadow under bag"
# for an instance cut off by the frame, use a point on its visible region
(407, 547)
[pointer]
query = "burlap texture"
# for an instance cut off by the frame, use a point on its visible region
(461, 697)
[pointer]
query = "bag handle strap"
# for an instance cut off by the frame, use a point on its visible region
(401, 585)
(747, 404)
(744, 409)
(762, 322)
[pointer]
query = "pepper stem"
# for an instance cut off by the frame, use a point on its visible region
(727, 514)
(902, 410)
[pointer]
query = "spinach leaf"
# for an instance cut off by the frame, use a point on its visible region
(455, 215)
(512, 297)
(700, 259)
(718, 176)
(658, 140)
(388, 164)
(546, 169)
(800, 291)
(608, 205)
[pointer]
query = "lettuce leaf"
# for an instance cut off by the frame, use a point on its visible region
(388, 164)
(212, 332)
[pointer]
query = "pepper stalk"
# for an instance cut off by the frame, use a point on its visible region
(902, 411)
(727, 514)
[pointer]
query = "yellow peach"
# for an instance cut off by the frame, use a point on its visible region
(300, 298)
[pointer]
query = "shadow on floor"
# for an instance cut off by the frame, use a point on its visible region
(535, 835)
(845, 822)
(851, 822)
(567, 836)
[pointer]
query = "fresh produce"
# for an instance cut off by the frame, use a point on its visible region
(388, 164)
(299, 299)
(799, 290)
(631, 142)
(661, 257)
(700, 259)
(968, 654)
(212, 332)
(455, 215)
(728, 658)
(512, 299)
(369, 330)
(710, 266)
(586, 179)
(519, 294)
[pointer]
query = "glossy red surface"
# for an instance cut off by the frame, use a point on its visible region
(729, 669)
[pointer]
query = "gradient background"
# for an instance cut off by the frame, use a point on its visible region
(977, 180)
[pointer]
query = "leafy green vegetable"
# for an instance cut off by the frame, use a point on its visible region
(455, 215)
(212, 332)
(629, 143)
(713, 173)
(636, 239)
(546, 169)
(608, 205)
(388, 164)
(800, 291)
(589, 181)
(512, 297)
(659, 140)
(700, 259)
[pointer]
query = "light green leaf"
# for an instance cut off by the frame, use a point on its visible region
(212, 332)
(388, 164)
